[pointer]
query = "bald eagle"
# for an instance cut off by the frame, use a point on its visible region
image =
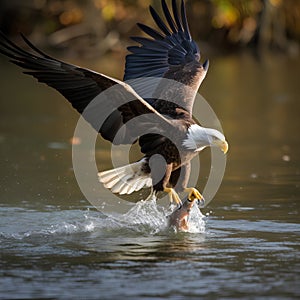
(167, 62)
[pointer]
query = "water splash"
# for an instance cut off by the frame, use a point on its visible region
(145, 217)
(196, 221)
(148, 217)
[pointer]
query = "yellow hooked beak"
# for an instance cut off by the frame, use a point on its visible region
(223, 145)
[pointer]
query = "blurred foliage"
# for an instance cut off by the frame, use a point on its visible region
(98, 26)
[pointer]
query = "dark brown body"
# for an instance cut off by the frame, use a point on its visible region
(168, 160)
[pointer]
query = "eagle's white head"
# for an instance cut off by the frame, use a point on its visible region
(198, 138)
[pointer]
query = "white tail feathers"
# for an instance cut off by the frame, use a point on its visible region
(126, 180)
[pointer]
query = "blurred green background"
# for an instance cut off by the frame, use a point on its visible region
(94, 27)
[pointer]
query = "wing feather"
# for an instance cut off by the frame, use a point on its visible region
(168, 16)
(150, 31)
(106, 103)
(185, 25)
(159, 22)
(168, 53)
(176, 15)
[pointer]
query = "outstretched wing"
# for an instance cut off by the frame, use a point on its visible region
(106, 103)
(170, 53)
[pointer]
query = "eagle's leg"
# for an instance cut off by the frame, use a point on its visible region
(173, 196)
(161, 173)
(180, 178)
(171, 192)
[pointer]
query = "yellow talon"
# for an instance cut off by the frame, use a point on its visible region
(193, 194)
(173, 196)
